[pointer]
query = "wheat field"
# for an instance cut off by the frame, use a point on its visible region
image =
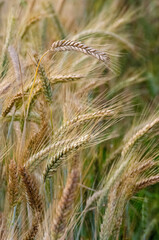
(79, 120)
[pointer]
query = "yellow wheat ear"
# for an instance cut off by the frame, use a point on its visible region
(37, 68)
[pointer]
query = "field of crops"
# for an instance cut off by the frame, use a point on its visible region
(79, 120)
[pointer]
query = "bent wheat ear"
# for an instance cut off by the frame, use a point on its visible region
(55, 161)
(11, 103)
(69, 45)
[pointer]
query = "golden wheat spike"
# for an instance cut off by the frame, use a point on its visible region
(138, 135)
(13, 183)
(32, 191)
(65, 204)
(55, 161)
(69, 45)
(83, 118)
(30, 235)
(11, 103)
(146, 182)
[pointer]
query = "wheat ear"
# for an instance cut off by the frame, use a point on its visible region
(46, 86)
(140, 168)
(3, 231)
(30, 235)
(37, 158)
(83, 118)
(56, 160)
(35, 201)
(45, 82)
(138, 135)
(65, 78)
(36, 139)
(31, 22)
(11, 103)
(69, 45)
(65, 204)
(32, 191)
(146, 182)
(13, 183)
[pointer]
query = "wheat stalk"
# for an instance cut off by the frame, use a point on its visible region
(56, 21)
(69, 45)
